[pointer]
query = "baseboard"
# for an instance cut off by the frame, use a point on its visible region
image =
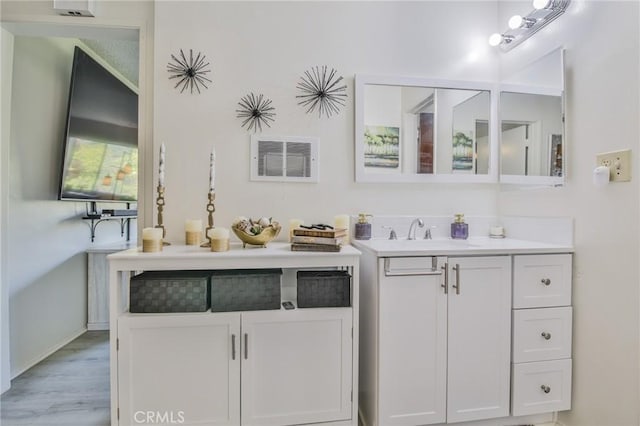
(51, 350)
(98, 326)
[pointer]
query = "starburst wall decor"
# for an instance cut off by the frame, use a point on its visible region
(321, 91)
(256, 111)
(190, 72)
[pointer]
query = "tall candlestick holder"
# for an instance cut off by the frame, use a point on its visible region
(160, 204)
(210, 209)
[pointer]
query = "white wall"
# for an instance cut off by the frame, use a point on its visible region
(265, 47)
(46, 261)
(602, 59)
(5, 88)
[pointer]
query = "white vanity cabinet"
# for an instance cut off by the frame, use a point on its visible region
(439, 339)
(261, 368)
(542, 324)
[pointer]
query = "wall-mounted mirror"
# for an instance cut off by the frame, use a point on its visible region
(532, 140)
(423, 130)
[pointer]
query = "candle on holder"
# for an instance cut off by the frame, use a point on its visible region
(151, 240)
(161, 166)
(219, 238)
(341, 221)
(193, 232)
(212, 171)
(293, 224)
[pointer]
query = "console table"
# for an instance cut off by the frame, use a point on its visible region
(271, 367)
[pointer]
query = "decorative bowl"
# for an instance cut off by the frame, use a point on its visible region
(261, 239)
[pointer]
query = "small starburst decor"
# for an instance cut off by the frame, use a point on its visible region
(321, 91)
(256, 111)
(189, 72)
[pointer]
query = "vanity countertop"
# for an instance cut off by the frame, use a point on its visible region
(473, 246)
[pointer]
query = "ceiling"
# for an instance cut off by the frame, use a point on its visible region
(120, 54)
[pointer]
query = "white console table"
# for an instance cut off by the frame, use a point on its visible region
(272, 367)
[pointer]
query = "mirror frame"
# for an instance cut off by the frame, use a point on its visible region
(362, 176)
(558, 90)
(536, 180)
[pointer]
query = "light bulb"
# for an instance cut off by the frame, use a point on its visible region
(540, 4)
(495, 39)
(515, 22)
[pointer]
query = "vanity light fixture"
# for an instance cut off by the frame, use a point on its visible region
(496, 39)
(517, 21)
(523, 27)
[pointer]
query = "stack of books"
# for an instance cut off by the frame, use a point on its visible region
(317, 239)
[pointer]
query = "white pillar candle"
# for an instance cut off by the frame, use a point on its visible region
(193, 225)
(193, 232)
(293, 224)
(152, 239)
(212, 171)
(341, 221)
(219, 239)
(218, 233)
(161, 166)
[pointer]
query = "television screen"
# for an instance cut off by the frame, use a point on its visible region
(101, 139)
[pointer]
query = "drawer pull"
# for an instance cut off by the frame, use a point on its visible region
(246, 346)
(546, 335)
(445, 284)
(545, 388)
(457, 284)
(545, 281)
(233, 346)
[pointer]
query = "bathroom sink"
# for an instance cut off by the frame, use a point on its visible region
(435, 244)
(406, 247)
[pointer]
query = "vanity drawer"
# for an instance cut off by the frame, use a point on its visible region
(541, 387)
(541, 280)
(541, 334)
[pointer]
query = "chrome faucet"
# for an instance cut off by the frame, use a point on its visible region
(392, 233)
(412, 228)
(427, 234)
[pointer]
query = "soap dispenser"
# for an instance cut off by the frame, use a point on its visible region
(363, 227)
(459, 229)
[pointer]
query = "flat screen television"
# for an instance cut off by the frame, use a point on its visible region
(100, 156)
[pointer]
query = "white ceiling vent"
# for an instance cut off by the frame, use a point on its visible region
(74, 7)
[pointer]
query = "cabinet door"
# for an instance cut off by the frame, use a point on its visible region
(479, 323)
(412, 345)
(296, 366)
(179, 368)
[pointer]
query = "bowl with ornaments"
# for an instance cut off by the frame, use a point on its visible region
(255, 232)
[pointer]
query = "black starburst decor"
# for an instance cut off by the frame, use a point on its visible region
(321, 91)
(191, 73)
(256, 111)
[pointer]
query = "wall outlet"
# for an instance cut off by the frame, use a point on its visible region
(619, 164)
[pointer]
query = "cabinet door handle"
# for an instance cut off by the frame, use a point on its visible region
(246, 346)
(545, 388)
(233, 346)
(546, 335)
(445, 283)
(545, 281)
(457, 284)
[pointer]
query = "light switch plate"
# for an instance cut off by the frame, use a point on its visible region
(619, 163)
